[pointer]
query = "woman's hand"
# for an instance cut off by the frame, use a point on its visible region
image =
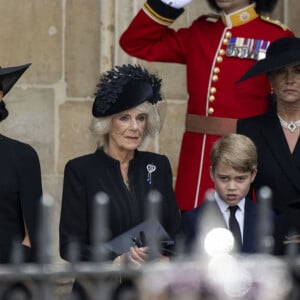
(138, 256)
(26, 240)
(135, 256)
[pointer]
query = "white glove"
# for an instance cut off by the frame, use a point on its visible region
(176, 3)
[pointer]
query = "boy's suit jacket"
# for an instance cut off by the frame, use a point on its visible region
(190, 222)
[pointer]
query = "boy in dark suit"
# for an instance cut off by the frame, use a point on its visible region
(233, 169)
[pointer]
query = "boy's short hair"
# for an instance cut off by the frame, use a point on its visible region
(236, 151)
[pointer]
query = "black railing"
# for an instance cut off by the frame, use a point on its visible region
(224, 276)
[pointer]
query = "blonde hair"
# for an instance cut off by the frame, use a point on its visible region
(100, 126)
(236, 151)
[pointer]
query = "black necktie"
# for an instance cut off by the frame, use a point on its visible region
(235, 227)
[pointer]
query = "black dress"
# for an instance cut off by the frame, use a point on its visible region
(85, 176)
(20, 194)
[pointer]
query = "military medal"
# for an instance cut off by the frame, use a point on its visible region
(263, 49)
(247, 48)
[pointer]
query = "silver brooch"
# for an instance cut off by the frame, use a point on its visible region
(150, 168)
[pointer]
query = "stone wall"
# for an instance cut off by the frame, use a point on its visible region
(69, 42)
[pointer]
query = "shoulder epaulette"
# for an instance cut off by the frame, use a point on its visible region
(275, 22)
(212, 17)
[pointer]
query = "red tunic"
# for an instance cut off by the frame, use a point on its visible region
(211, 76)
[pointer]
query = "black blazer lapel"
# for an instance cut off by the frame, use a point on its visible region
(277, 144)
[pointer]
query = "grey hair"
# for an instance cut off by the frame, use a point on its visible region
(100, 126)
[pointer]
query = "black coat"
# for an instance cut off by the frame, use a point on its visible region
(85, 176)
(20, 194)
(278, 169)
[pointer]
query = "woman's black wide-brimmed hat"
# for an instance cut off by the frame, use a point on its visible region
(10, 75)
(281, 53)
(125, 87)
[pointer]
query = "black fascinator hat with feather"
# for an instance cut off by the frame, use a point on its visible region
(125, 87)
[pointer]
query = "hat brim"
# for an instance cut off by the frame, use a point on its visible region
(10, 75)
(271, 63)
(133, 94)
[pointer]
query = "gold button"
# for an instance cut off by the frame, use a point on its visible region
(228, 34)
(210, 110)
(213, 90)
(212, 98)
(219, 59)
(215, 78)
(222, 52)
(216, 70)
(225, 41)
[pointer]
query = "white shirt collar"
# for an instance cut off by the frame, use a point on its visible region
(224, 206)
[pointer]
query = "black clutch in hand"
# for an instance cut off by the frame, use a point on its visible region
(140, 235)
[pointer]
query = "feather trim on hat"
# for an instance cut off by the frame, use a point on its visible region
(111, 85)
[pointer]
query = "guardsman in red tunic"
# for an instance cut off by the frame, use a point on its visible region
(217, 50)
